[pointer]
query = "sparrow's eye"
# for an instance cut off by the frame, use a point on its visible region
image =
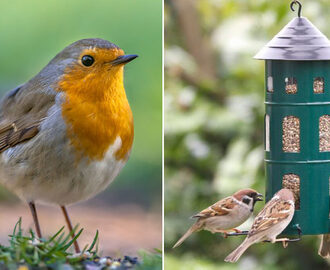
(87, 60)
(246, 200)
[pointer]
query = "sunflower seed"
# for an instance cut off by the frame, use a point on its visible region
(291, 85)
(324, 133)
(291, 134)
(292, 181)
(318, 85)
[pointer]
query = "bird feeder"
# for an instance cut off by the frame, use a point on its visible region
(297, 121)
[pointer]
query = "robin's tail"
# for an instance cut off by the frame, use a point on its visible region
(324, 250)
(237, 253)
(193, 228)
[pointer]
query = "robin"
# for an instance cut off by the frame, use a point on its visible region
(67, 132)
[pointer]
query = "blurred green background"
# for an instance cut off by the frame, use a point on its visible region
(213, 103)
(33, 32)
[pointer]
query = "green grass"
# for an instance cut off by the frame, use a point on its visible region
(28, 252)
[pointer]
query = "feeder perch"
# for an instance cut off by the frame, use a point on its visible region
(297, 121)
(297, 227)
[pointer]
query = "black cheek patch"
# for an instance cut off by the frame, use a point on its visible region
(246, 201)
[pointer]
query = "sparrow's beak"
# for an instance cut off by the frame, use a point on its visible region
(259, 197)
(123, 59)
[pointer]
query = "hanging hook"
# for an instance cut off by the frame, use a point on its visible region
(296, 2)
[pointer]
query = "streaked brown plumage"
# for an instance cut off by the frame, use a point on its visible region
(324, 250)
(225, 215)
(269, 223)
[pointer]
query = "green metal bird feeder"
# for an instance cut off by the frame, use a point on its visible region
(297, 121)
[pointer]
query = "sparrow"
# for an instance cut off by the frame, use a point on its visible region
(324, 250)
(225, 215)
(269, 223)
(67, 132)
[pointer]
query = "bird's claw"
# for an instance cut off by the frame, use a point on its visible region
(285, 241)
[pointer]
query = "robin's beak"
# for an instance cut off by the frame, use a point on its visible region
(123, 59)
(259, 197)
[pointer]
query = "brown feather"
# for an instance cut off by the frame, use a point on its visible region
(22, 111)
(14, 136)
(274, 211)
(220, 208)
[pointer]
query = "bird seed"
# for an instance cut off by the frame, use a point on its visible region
(324, 133)
(291, 85)
(291, 134)
(292, 181)
(318, 85)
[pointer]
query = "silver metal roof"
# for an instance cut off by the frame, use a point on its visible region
(298, 40)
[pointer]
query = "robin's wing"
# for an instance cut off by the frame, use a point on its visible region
(274, 212)
(220, 208)
(21, 112)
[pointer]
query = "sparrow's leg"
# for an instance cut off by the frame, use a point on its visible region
(35, 218)
(225, 233)
(68, 222)
(284, 241)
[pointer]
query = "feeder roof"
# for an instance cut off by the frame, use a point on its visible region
(299, 40)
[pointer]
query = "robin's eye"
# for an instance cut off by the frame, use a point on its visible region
(87, 60)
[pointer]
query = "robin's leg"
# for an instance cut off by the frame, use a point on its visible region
(237, 230)
(68, 222)
(35, 218)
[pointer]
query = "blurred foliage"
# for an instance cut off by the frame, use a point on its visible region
(33, 32)
(151, 261)
(214, 123)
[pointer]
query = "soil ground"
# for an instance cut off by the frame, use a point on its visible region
(124, 230)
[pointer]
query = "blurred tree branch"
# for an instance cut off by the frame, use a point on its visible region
(190, 30)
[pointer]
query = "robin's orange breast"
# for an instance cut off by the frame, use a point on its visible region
(97, 111)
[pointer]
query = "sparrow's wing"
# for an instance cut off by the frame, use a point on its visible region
(21, 112)
(274, 212)
(220, 208)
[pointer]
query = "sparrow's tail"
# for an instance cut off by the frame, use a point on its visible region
(193, 228)
(237, 253)
(324, 250)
